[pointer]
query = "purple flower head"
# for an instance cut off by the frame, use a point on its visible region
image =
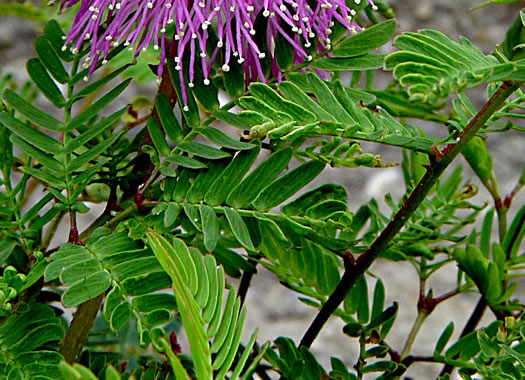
(142, 23)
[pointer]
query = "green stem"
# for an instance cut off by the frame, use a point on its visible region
(305, 221)
(439, 359)
(440, 162)
(107, 220)
(52, 229)
(502, 221)
(418, 323)
(73, 230)
(361, 361)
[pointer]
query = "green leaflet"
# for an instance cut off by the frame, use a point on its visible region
(326, 208)
(218, 137)
(135, 267)
(94, 131)
(284, 51)
(216, 280)
(328, 101)
(260, 106)
(96, 107)
(203, 288)
(205, 179)
(92, 153)
(243, 194)
(202, 150)
(243, 120)
(93, 87)
(210, 227)
(32, 113)
(158, 137)
(46, 177)
(83, 291)
(43, 81)
(443, 339)
(183, 184)
(192, 214)
(294, 93)
(50, 60)
(31, 135)
(313, 197)
(266, 94)
(55, 167)
(239, 228)
(190, 111)
(185, 161)
(79, 270)
(514, 235)
(366, 40)
(231, 176)
(157, 317)
(170, 124)
(150, 302)
(120, 316)
(146, 283)
(361, 63)
(205, 92)
(54, 34)
(170, 215)
(287, 185)
(234, 79)
(214, 319)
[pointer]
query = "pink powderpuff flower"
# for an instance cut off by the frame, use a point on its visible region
(142, 23)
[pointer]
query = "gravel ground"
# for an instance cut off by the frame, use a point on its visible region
(278, 312)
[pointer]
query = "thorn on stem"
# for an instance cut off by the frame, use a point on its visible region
(174, 344)
(139, 198)
(349, 260)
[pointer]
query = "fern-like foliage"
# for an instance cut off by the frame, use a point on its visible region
(508, 117)
(432, 65)
(72, 162)
(135, 275)
(198, 287)
(27, 341)
(188, 204)
(315, 108)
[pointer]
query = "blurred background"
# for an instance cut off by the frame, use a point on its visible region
(273, 309)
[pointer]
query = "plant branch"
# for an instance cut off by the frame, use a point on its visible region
(79, 328)
(244, 285)
(431, 359)
(440, 161)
